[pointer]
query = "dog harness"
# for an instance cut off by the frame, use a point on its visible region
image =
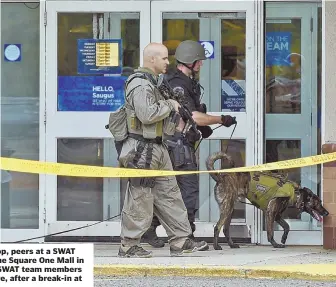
(264, 187)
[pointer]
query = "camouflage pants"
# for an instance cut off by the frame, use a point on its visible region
(164, 200)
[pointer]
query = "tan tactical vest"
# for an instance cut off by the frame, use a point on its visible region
(148, 131)
(124, 121)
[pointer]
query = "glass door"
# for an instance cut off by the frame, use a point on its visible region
(291, 101)
(228, 36)
(86, 46)
(22, 128)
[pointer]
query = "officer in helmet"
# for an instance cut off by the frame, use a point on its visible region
(189, 56)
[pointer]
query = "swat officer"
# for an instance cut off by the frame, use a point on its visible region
(150, 118)
(189, 56)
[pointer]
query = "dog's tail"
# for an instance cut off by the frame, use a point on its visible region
(210, 162)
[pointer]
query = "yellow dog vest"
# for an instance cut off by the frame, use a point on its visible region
(264, 187)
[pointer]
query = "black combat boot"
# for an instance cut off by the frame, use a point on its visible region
(151, 238)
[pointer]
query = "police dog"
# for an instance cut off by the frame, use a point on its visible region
(232, 186)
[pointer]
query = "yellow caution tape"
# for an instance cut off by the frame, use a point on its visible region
(31, 166)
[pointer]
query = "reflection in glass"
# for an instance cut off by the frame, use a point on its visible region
(88, 198)
(130, 35)
(233, 56)
(174, 31)
(74, 26)
(20, 96)
(74, 88)
(236, 149)
(283, 67)
(80, 198)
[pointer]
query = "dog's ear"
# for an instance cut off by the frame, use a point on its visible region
(308, 191)
(304, 192)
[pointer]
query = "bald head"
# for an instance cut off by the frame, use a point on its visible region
(155, 57)
(153, 50)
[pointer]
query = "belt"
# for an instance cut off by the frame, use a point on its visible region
(157, 140)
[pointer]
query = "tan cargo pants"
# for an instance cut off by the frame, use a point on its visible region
(164, 200)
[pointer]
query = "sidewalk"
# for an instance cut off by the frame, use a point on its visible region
(249, 261)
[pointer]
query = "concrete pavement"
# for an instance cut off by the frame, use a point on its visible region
(249, 261)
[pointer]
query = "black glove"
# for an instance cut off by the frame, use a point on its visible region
(228, 121)
(203, 108)
(206, 131)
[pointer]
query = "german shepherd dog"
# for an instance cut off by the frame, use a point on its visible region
(231, 186)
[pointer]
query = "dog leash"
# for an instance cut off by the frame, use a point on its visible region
(215, 129)
(230, 137)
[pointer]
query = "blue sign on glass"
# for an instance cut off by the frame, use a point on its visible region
(233, 96)
(12, 52)
(209, 47)
(278, 48)
(99, 56)
(90, 93)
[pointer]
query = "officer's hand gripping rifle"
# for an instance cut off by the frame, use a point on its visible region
(185, 113)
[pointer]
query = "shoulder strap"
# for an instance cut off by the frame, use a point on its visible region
(134, 76)
(141, 75)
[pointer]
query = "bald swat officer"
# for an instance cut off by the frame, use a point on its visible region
(189, 56)
(151, 118)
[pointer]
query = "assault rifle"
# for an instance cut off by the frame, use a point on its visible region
(185, 113)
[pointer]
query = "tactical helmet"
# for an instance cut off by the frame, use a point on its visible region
(189, 51)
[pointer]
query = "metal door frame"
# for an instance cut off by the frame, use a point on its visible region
(296, 237)
(70, 124)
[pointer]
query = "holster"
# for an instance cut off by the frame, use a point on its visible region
(180, 152)
(142, 181)
(189, 155)
(176, 152)
(192, 137)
